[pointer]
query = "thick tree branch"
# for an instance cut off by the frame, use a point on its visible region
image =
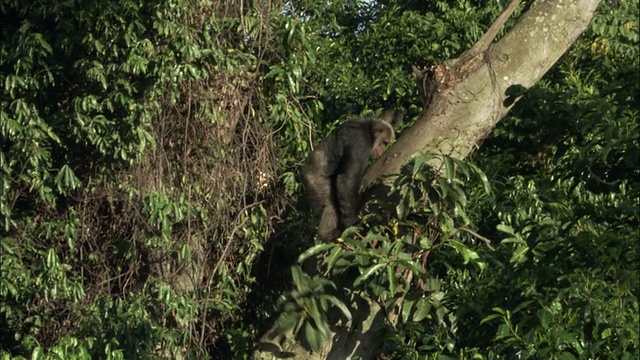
(470, 97)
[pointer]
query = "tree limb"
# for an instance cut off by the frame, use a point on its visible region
(472, 97)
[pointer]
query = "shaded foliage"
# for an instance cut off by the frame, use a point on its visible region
(138, 174)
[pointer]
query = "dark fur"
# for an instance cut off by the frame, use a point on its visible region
(333, 173)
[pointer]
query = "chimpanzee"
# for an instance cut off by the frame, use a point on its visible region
(333, 173)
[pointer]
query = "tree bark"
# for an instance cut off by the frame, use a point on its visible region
(470, 96)
(467, 97)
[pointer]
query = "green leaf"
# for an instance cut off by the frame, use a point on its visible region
(463, 250)
(450, 169)
(422, 310)
(489, 318)
(544, 317)
(368, 273)
(570, 339)
(66, 179)
(312, 336)
(506, 229)
(522, 305)
(393, 281)
(315, 250)
(519, 255)
(565, 355)
(503, 332)
(37, 353)
(52, 259)
(340, 305)
(8, 244)
(298, 276)
(411, 265)
(334, 255)
(407, 308)
(288, 320)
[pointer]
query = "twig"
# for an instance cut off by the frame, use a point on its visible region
(485, 41)
(479, 237)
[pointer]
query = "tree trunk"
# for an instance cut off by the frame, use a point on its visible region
(467, 97)
(472, 91)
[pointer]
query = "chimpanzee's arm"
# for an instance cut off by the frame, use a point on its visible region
(317, 175)
(348, 186)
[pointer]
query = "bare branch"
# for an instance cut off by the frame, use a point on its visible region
(485, 41)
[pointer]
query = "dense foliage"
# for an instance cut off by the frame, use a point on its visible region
(148, 173)
(137, 159)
